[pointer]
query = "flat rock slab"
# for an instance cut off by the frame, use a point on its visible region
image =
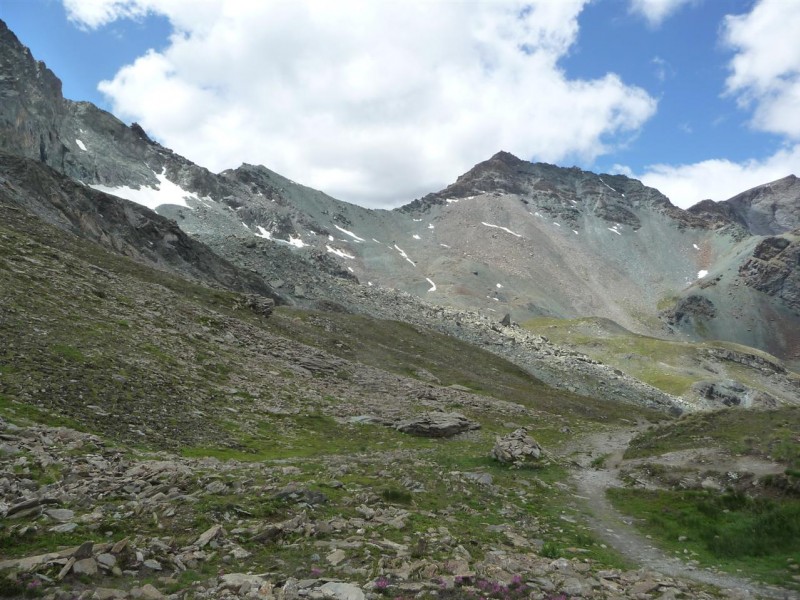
(436, 424)
(62, 515)
(342, 591)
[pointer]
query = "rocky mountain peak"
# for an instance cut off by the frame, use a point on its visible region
(768, 209)
(563, 193)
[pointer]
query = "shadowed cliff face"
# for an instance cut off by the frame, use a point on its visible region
(118, 225)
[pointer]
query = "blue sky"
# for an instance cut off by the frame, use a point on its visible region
(380, 103)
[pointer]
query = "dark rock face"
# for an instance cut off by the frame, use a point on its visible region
(689, 309)
(774, 269)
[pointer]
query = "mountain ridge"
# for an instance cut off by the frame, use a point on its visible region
(509, 236)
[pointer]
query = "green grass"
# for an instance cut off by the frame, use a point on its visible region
(26, 414)
(767, 433)
(669, 365)
(305, 436)
(757, 538)
(661, 363)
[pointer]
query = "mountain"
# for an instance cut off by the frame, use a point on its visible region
(508, 237)
(234, 386)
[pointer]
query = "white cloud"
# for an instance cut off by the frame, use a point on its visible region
(373, 102)
(765, 72)
(95, 13)
(718, 179)
(764, 76)
(656, 12)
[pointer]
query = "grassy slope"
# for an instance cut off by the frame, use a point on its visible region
(96, 342)
(672, 366)
(771, 434)
(756, 536)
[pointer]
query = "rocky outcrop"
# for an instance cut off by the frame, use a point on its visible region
(689, 310)
(732, 393)
(774, 268)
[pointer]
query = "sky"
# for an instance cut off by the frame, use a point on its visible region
(378, 102)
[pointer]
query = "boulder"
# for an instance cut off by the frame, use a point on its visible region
(436, 424)
(85, 566)
(517, 448)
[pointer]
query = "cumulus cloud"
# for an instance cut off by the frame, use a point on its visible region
(765, 71)
(765, 78)
(656, 12)
(373, 102)
(718, 179)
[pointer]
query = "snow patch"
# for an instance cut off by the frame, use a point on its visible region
(416, 237)
(81, 145)
(292, 241)
(609, 187)
(556, 224)
(695, 246)
(575, 232)
(404, 255)
(416, 220)
(337, 252)
(433, 285)
(350, 233)
(246, 225)
(538, 215)
(330, 238)
(506, 229)
(350, 269)
(444, 245)
(702, 273)
(452, 200)
(165, 193)
(499, 286)
(614, 229)
(376, 241)
(430, 225)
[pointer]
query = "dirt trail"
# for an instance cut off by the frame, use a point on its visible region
(618, 530)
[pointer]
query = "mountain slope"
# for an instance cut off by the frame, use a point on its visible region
(509, 237)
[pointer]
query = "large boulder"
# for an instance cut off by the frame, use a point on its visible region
(517, 448)
(436, 424)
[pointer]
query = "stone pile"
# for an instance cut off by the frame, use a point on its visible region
(517, 448)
